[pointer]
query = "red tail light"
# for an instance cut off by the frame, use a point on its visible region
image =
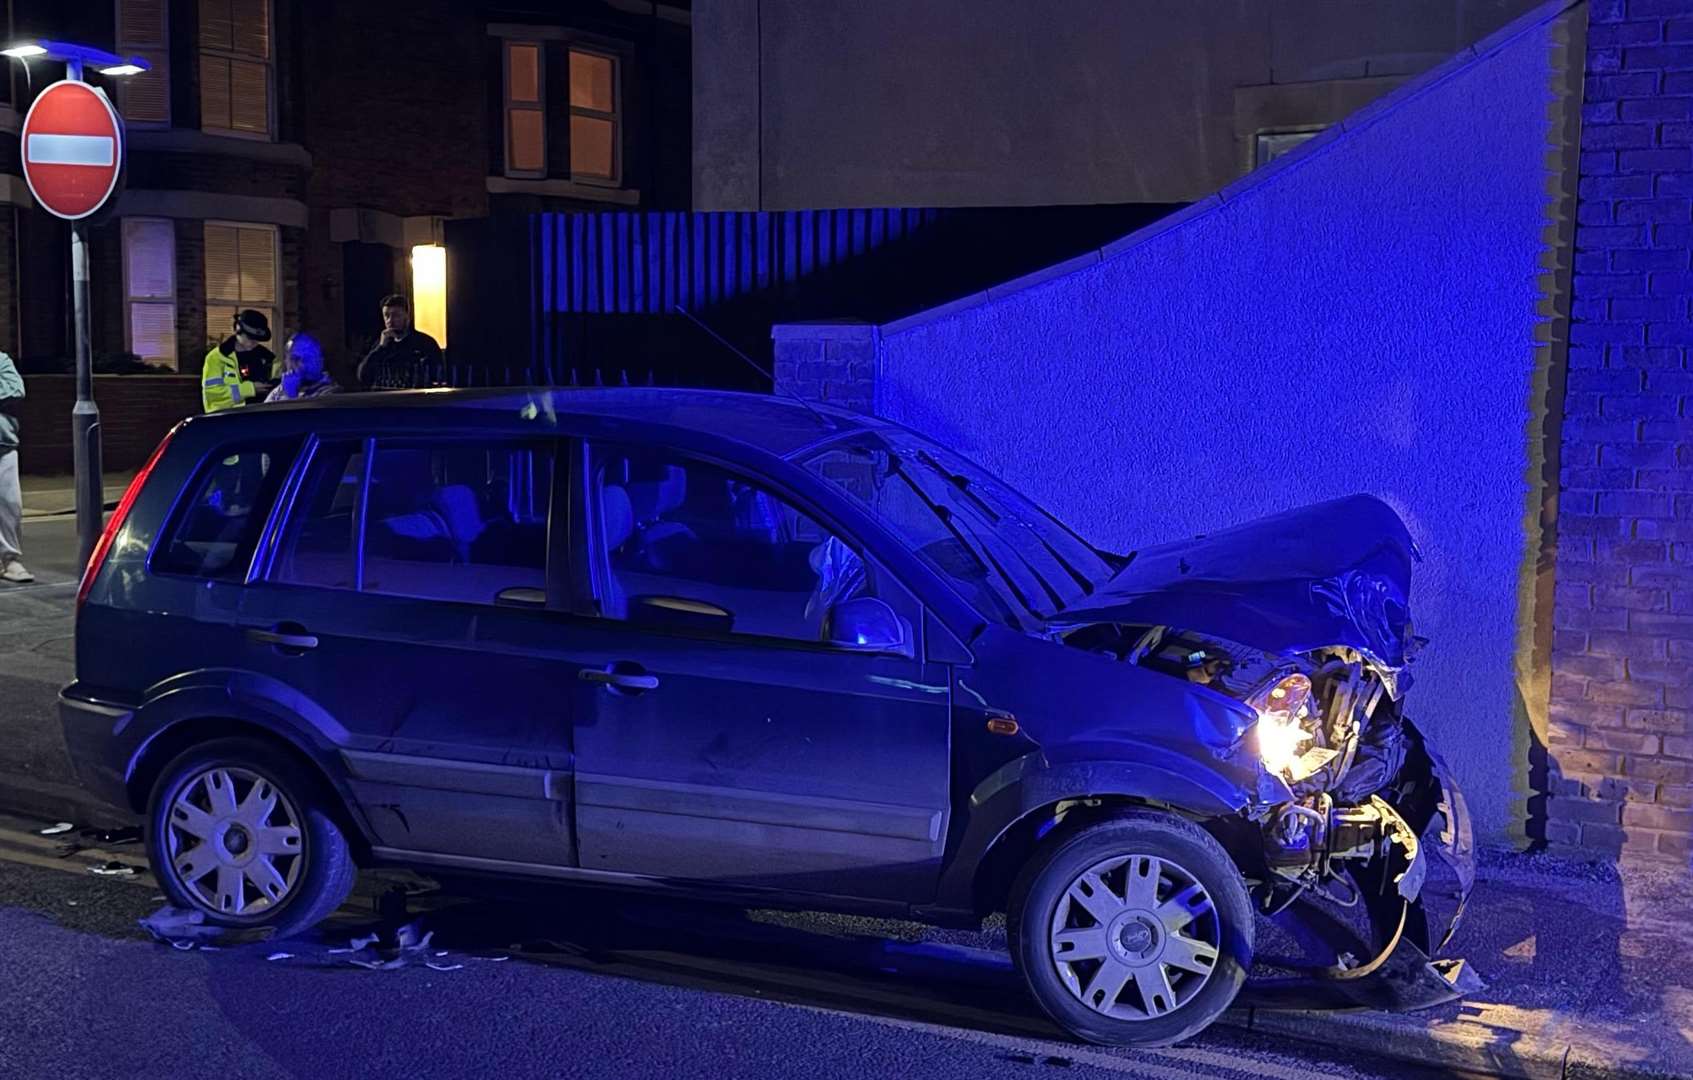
(103, 546)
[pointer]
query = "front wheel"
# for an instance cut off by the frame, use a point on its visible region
(238, 831)
(1133, 932)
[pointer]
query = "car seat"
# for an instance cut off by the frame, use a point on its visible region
(662, 542)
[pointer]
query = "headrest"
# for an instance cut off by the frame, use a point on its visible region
(457, 503)
(617, 516)
(653, 497)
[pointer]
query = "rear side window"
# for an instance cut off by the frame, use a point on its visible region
(320, 544)
(217, 527)
(441, 521)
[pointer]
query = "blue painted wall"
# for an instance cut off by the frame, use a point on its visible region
(1361, 316)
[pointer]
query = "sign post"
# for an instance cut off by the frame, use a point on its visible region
(72, 144)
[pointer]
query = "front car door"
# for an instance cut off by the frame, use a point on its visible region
(718, 737)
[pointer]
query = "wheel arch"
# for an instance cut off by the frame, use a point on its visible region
(185, 734)
(1067, 798)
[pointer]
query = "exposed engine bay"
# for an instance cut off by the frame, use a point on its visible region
(1365, 792)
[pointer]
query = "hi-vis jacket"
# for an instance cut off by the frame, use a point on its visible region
(226, 378)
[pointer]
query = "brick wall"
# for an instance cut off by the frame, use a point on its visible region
(225, 174)
(405, 137)
(1621, 718)
(833, 362)
(135, 413)
(192, 331)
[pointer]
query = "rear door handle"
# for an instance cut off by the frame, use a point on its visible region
(622, 680)
(282, 639)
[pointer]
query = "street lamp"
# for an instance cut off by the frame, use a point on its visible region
(74, 56)
(75, 151)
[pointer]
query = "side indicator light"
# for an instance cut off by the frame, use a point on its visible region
(1002, 725)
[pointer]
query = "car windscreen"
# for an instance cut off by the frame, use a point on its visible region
(1009, 558)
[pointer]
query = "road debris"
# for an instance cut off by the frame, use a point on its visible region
(113, 837)
(183, 929)
(114, 869)
(280, 956)
(432, 966)
(393, 947)
(55, 830)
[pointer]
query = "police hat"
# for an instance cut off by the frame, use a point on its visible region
(253, 324)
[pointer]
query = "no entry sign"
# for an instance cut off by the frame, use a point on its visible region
(72, 149)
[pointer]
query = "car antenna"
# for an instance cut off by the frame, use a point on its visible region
(750, 362)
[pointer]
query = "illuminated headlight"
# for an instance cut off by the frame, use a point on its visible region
(1282, 710)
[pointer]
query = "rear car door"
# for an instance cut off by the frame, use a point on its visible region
(404, 600)
(176, 618)
(718, 737)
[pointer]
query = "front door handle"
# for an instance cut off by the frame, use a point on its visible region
(285, 637)
(620, 680)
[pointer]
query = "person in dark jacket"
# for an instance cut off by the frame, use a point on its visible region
(405, 358)
(12, 570)
(302, 372)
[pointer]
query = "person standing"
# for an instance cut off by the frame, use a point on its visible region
(12, 569)
(302, 372)
(231, 367)
(405, 358)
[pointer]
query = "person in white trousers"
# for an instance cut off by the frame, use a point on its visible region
(12, 569)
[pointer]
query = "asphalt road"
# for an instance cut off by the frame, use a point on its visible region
(591, 985)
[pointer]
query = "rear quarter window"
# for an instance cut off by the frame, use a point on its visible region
(216, 525)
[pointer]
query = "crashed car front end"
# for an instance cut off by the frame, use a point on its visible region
(1305, 622)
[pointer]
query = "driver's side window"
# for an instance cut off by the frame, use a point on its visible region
(689, 543)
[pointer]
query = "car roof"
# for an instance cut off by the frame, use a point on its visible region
(777, 424)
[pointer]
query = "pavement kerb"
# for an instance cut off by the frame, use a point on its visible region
(1495, 1051)
(1443, 1046)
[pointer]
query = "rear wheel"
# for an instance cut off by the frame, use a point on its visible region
(238, 831)
(1136, 931)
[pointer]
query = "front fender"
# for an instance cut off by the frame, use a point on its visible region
(1029, 784)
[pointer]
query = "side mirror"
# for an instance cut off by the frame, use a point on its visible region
(866, 624)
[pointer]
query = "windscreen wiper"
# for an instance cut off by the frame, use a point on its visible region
(963, 484)
(978, 552)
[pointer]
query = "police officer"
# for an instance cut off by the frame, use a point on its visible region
(227, 377)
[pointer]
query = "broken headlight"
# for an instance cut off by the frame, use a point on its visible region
(1286, 723)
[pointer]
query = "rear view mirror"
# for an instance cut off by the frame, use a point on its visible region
(866, 624)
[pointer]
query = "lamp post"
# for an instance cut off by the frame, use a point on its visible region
(72, 150)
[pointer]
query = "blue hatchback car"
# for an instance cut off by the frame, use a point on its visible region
(768, 652)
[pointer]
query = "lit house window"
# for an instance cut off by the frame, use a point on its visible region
(240, 273)
(526, 115)
(149, 276)
(1269, 145)
(235, 67)
(142, 31)
(593, 117)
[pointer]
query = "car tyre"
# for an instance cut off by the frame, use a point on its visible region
(1163, 908)
(271, 853)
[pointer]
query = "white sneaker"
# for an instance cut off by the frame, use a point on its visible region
(14, 573)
